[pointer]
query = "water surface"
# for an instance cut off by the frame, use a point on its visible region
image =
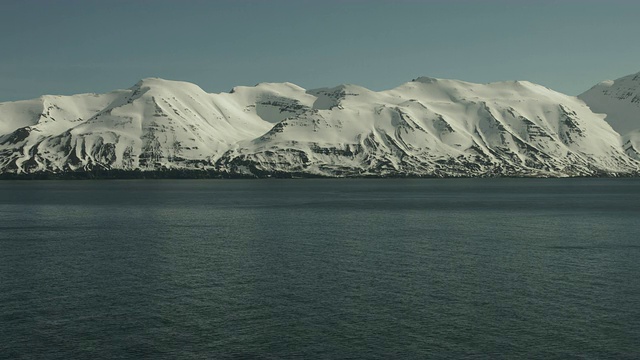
(193, 269)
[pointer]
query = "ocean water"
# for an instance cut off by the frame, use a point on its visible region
(330, 269)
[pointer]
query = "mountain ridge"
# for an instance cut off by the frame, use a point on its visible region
(424, 127)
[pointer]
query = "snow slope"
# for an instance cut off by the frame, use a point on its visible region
(619, 100)
(426, 127)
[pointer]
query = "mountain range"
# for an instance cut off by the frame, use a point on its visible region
(425, 128)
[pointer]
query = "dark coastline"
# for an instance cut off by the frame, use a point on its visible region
(211, 174)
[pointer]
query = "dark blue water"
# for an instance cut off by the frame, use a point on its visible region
(499, 268)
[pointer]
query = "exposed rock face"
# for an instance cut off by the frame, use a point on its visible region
(427, 127)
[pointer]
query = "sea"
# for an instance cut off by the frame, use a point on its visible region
(320, 269)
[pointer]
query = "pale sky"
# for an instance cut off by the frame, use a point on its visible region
(67, 47)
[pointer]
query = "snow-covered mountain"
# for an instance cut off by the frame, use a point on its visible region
(436, 127)
(155, 124)
(619, 100)
(426, 127)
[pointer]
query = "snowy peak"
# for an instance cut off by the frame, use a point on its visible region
(619, 100)
(158, 86)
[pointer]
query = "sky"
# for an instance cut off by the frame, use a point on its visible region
(78, 46)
